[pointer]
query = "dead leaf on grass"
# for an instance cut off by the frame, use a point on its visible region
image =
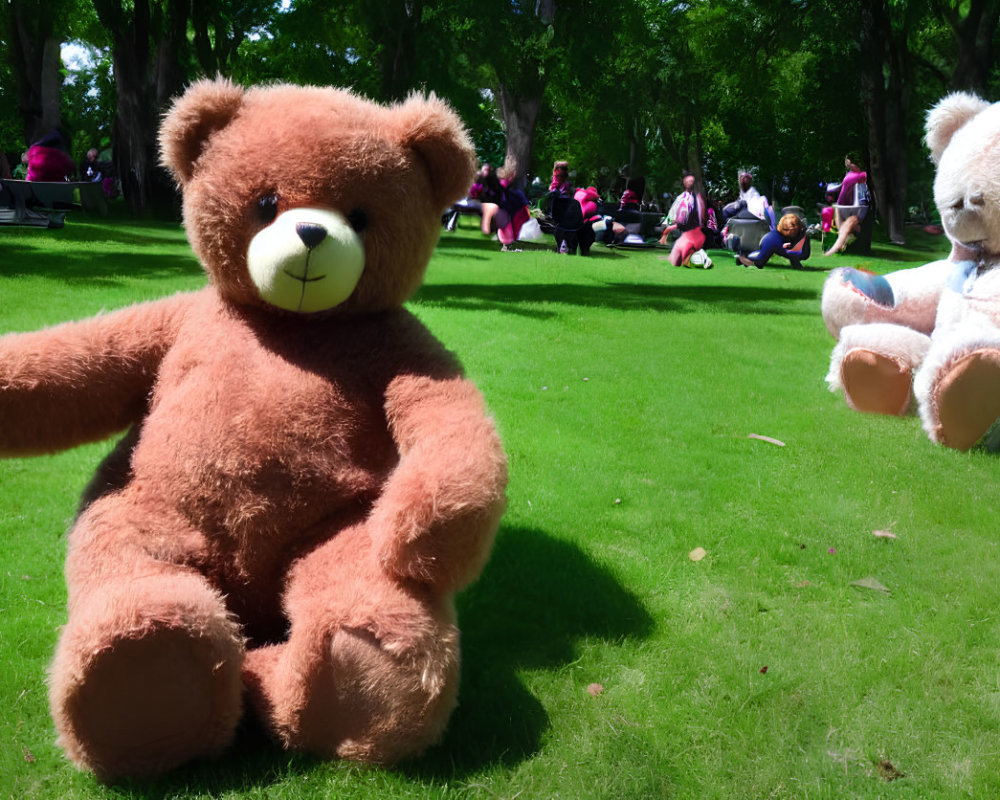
(29, 757)
(871, 583)
(887, 771)
(766, 439)
(697, 554)
(884, 535)
(595, 689)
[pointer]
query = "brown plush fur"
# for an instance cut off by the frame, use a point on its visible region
(300, 495)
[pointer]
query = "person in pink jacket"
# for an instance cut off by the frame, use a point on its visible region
(48, 159)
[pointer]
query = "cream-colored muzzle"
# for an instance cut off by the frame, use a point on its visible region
(307, 260)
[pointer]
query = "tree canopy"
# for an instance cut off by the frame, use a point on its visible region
(638, 88)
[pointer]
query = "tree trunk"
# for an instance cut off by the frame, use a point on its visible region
(884, 94)
(973, 36)
(397, 61)
(36, 59)
(51, 84)
(145, 53)
(520, 117)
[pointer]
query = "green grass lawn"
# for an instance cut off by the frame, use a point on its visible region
(600, 661)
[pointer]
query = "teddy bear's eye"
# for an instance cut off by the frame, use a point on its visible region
(267, 208)
(358, 220)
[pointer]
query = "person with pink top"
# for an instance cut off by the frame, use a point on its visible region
(48, 159)
(505, 209)
(690, 215)
(852, 205)
(560, 179)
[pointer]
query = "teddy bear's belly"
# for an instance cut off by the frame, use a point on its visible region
(261, 459)
(261, 482)
(981, 300)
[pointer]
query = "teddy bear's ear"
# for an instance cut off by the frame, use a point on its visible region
(206, 107)
(945, 118)
(431, 128)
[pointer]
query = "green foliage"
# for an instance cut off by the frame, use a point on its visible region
(599, 660)
(11, 125)
(88, 103)
(639, 87)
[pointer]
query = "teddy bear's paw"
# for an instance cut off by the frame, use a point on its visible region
(852, 296)
(967, 400)
(447, 558)
(876, 383)
(139, 700)
(357, 697)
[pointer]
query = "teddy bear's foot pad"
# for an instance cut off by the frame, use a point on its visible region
(358, 701)
(968, 401)
(146, 705)
(876, 383)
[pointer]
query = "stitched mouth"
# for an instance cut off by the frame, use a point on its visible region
(303, 278)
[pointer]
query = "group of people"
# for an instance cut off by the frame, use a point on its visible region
(592, 221)
(691, 224)
(849, 203)
(504, 209)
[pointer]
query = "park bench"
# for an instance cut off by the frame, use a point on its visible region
(46, 204)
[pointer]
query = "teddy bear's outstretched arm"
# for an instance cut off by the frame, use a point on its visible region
(906, 297)
(440, 508)
(81, 381)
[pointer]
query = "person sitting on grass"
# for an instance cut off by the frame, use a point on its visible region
(505, 209)
(788, 238)
(751, 204)
(688, 215)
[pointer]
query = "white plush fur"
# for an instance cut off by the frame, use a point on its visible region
(945, 118)
(948, 349)
(897, 342)
(916, 292)
(958, 306)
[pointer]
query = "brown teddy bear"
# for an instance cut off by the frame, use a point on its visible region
(307, 478)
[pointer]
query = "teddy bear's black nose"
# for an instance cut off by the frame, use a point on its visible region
(310, 234)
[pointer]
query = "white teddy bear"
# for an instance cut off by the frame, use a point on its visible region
(931, 335)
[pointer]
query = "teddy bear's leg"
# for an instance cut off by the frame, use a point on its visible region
(146, 674)
(370, 669)
(959, 393)
(874, 366)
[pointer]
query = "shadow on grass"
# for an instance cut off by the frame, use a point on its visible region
(522, 299)
(86, 230)
(452, 246)
(106, 270)
(536, 600)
